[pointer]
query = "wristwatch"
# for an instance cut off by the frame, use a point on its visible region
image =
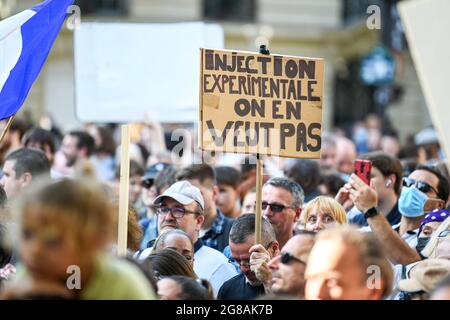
(370, 213)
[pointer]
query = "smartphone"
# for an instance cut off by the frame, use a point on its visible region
(363, 168)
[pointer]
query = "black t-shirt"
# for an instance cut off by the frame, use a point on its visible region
(237, 288)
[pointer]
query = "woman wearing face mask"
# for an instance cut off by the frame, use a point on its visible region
(438, 247)
(428, 226)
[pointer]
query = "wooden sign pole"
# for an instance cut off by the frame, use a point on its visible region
(258, 214)
(259, 180)
(124, 186)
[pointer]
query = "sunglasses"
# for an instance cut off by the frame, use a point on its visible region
(286, 257)
(147, 184)
(420, 185)
(274, 207)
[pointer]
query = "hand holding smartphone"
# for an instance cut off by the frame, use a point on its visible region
(363, 169)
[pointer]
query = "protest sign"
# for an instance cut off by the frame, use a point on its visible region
(261, 104)
(426, 23)
(125, 72)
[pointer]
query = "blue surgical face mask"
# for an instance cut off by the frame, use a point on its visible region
(411, 202)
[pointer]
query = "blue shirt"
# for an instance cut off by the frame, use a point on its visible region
(356, 217)
(217, 236)
(150, 227)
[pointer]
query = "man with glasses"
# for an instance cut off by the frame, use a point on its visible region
(181, 207)
(288, 268)
(282, 201)
(423, 191)
(242, 237)
(154, 182)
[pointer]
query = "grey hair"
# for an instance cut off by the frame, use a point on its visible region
(160, 242)
(298, 196)
(244, 226)
(328, 139)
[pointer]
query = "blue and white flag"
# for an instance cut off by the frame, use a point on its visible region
(25, 42)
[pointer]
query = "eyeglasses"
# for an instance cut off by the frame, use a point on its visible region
(286, 257)
(420, 185)
(444, 234)
(274, 207)
(239, 262)
(245, 262)
(175, 212)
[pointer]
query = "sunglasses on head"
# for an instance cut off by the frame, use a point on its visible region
(286, 257)
(420, 185)
(274, 207)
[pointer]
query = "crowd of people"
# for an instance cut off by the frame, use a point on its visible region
(325, 233)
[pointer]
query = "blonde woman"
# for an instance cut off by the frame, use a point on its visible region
(322, 213)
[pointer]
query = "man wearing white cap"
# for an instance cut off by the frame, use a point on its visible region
(181, 207)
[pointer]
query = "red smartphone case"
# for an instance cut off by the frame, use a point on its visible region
(363, 169)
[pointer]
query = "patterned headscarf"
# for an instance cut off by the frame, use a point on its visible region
(437, 215)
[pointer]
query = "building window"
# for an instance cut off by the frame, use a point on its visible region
(392, 34)
(229, 10)
(353, 100)
(357, 10)
(103, 7)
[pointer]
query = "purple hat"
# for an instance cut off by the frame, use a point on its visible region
(437, 215)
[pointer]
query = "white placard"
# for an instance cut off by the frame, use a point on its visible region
(126, 72)
(427, 27)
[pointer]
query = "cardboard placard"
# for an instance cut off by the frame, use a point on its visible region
(254, 103)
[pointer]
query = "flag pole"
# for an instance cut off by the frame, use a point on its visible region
(5, 129)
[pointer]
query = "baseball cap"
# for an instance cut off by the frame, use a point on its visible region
(183, 192)
(425, 275)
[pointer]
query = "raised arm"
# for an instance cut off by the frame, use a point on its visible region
(365, 198)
